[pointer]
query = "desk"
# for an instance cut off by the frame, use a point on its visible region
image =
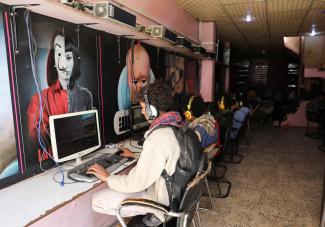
(40, 201)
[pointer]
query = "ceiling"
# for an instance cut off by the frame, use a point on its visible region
(274, 19)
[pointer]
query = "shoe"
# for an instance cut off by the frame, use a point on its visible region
(151, 220)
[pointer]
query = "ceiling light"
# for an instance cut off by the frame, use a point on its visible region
(249, 18)
(313, 30)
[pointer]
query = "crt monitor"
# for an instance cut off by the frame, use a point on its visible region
(74, 135)
(138, 122)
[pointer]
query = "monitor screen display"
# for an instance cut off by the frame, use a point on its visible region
(138, 121)
(74, 135)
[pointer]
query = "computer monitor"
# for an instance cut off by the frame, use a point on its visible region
(138, 122)
(74, 135)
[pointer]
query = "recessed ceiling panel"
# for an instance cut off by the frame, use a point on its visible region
(286, 15)
(287, 5)
(205, 10)
(319, 4)
(239, 11)
(285, 28)
(273, 19)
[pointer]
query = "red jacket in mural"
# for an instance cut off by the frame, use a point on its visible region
(54, 101)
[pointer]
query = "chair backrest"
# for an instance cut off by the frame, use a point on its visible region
(245, 127)
(225, 121)
(226, 142)
(192, 193)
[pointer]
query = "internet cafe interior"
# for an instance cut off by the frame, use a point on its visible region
(203, 113)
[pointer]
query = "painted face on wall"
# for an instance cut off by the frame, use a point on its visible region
(141, 75)
(63, 61)
(69, 63)
(139, 71)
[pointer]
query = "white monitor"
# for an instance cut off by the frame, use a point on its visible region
(74, 135)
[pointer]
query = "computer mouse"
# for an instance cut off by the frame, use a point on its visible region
(119, 152)
(130, 158)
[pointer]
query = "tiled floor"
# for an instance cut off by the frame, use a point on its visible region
(278, 183)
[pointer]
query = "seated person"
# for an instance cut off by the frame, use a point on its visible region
(238, 119)
(278, 114)
(225, 114)
(160, 151)
(196, 114)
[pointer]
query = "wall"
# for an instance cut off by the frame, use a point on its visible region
(101, 59)
(207, 80)
(314, 72)
(164, 12)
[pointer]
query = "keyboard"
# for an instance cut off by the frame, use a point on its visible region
(110, 162)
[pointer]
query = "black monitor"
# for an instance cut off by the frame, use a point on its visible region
(138, 123)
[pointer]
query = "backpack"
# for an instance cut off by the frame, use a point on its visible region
(191, 162)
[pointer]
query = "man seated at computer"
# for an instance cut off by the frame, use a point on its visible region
(160, 151)
(196, 114)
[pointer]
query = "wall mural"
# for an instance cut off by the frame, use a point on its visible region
(175, 73)
(57, 74)
(134, 76)
(8, 152)
(62, 68)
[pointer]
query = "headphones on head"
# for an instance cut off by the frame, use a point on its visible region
(151, 111)
(221, 104)
(188, 112)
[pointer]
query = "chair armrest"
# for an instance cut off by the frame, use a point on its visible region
(149, 204)
(145, 203)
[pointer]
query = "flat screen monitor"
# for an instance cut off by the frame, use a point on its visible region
(74, 135)
(138, 122)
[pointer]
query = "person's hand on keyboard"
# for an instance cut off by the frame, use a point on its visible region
(125, 152)
(98, 171)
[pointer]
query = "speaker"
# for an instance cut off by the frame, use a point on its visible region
(101, 9)
(210, 55)
(110, 11)
(162, 32)
(198, 49)
(182, 42)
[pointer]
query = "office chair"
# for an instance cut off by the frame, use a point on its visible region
(187, 209)
(322, 126)
(216, 160)
(208, 170)
(235, 135)
(312, 116)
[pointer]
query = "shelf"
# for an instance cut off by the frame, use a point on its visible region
(55, 9)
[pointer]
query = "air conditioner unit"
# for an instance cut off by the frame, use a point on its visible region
(198, 49)
(182, 42)
(110, 11)
(162, 32)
